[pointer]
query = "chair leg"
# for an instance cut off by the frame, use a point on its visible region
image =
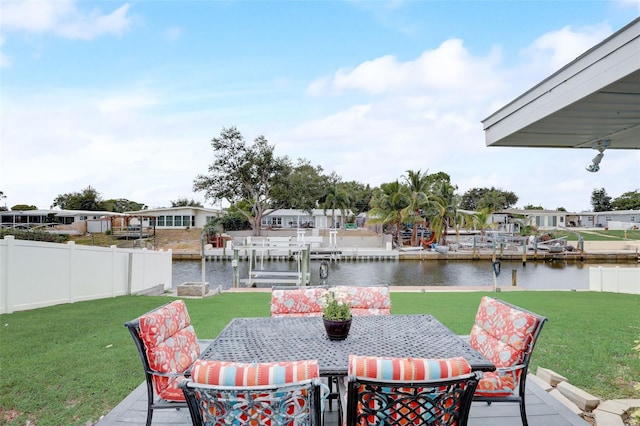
(523, 411)
(149, 415)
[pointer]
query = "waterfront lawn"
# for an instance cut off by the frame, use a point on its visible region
(72, 363)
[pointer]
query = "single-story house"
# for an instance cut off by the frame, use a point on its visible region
(509, 220)
(293, 218)
(174, 217)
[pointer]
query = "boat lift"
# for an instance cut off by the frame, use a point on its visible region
(299, 251)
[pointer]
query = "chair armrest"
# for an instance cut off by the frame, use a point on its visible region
(185, 373)
(509, 369)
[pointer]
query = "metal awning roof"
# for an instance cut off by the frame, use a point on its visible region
(594, 100)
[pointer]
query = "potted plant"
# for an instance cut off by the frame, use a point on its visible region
(336, 315)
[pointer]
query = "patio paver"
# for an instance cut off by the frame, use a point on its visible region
(542, 410)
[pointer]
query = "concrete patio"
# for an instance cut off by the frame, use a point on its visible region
(542, 410)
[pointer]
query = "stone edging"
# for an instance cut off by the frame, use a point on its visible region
(589, 407)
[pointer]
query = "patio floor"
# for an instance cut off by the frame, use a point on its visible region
(542, 410)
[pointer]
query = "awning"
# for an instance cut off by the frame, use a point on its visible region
(592, 102)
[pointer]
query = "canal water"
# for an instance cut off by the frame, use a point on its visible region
(556, 275)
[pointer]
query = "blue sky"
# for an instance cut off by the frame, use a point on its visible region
(126, 97)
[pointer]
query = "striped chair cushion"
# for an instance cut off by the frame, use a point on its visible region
(226, 373)
(296, 302)
(408, 369)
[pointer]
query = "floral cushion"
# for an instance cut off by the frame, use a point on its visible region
(228, 373)
(498, 383)
(297, 302)
(502, 334)
(374, 300)
(171, 345)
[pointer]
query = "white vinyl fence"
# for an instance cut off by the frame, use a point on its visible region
(614, 279)
(36, 274)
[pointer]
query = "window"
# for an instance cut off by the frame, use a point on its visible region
(177, 221)
(83, 217)
(169, 221)
(554, 220)
(160, 220)
(188, 220)
(152, 221)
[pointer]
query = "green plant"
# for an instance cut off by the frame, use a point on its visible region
(335, 308)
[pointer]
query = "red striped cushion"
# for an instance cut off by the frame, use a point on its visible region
(411, 369)
(226, 373)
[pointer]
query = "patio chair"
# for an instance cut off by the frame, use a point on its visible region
(506, 335)
(409, 391)
(168, 346)
(366, 300)
(297, 301)
(276, 394)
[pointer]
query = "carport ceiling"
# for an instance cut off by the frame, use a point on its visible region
(594, 98)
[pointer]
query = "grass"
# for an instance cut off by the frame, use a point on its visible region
(598, 235)
(72, 363)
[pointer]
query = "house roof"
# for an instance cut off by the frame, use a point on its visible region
(591, 102)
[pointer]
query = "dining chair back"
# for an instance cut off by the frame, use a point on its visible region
(168, 346)
(409, 391)
(271, 394)
(366, 300)
(506, 335)
(297, 301)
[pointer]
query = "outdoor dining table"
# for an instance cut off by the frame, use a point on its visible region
(298, 338)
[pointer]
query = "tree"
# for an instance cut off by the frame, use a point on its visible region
(627, 201)
(121, 205)
(600, 201)
(532, 207)
(360, 193)
(388, 204)
(87, 199)
(240, 172)
(23, 207)
(184, 202)
(336, 199)
(2, 197)
(492, 198)
(301, 187)
(418, 185)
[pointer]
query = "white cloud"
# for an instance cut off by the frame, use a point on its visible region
(555, 49)
(62, 18)
(450, 67)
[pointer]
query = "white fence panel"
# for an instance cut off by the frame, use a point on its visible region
(614, 279)
(37, 274)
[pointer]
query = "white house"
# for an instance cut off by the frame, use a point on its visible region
(293, 218)
(175, 217)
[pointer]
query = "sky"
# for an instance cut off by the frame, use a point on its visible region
(125, 97)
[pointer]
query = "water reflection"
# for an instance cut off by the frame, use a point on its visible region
(535, 275)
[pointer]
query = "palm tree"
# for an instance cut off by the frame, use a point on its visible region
(418, 187)
(389, 205)
(336, 199)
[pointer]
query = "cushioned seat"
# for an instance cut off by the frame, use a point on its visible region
(506, 335)
(297, 301)
(168, 346)
(409, 391)
(275, 393)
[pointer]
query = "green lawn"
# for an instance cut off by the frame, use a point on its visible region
(72, 363)
(598, 235)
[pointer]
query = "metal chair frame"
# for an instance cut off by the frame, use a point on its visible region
(523, 367)
(433, 402)
(153, 402)
(276, 404)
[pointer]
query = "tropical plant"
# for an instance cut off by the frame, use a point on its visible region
(336, 199)
(600, 200)
(418, 187)
(388, 206)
